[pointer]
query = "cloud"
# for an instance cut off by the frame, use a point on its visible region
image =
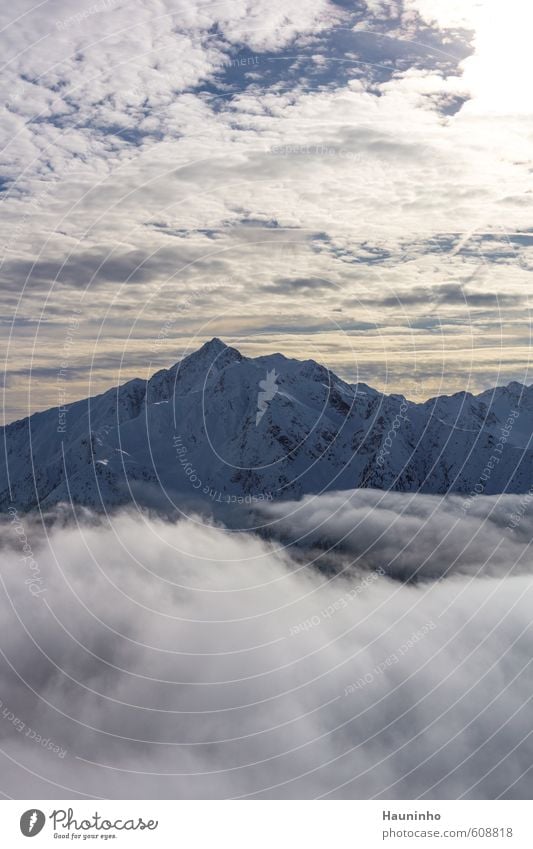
(189, 661)
(291, 284)
(451, 294)
(417, 537)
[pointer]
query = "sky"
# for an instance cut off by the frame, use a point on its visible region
(346, 181)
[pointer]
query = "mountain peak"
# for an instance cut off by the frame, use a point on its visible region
(215, 344)
(213, 352)
(215, 348)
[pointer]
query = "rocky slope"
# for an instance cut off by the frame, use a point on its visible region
(221, 427)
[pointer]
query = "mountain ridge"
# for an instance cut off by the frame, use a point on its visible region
(264, 427)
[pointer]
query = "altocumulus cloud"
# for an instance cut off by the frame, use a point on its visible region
(177, 660)
(160, 145)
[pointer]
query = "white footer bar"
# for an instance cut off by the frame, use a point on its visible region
(268, 824)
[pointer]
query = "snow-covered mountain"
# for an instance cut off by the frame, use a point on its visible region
(226, 428)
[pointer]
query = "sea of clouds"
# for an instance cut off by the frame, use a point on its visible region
(144, 658)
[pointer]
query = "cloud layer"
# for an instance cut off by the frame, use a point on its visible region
(187, 661)
(414, 537)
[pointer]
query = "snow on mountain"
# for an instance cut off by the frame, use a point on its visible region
(224, 427)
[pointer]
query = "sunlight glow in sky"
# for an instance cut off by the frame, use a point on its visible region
(500, 70)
